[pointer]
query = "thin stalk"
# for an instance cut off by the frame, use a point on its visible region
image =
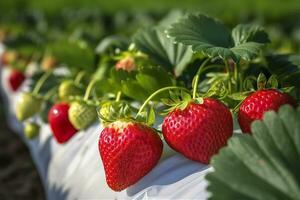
(89, 89)
(229, 76)
(237, 106)
(50, 93)
(158, 92)
(40, 82)
(236, 76)
(118, 97)
(79, 76)
(197, 77)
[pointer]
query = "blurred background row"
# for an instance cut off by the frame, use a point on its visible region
(41, 22)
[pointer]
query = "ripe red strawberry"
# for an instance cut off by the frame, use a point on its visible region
(256, 104)
(62, 128)
(129, 150)
(15, 79)
(199, 130)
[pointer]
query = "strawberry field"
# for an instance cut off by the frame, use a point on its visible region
(121, 100)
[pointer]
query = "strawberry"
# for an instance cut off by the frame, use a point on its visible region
(81, 114)
(59, 122)
(48, 63)
(129, 150)
(199, 130)
(28, 105)
(8, 57)
(256, 104)
(68, 88)
(31, 130)
(15, 79)
(127, 64)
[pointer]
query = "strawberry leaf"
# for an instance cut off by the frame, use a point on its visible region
(110, 44)
(244, 33)
(262, 166)
(210, 37)
(154, 42)
(204, 34)
(152, 78)
(246, 51)
(133, 89)
(75, 54)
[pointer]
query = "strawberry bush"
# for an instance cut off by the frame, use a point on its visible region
(202, 78)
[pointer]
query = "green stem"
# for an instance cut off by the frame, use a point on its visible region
(237, 106)
(197, 77)
(118, 97)
(40, 82)
(79, 76)
(213, 66)
(229, 76)
(89, 89)
(236, 76)
(158, 92)
(50, 93)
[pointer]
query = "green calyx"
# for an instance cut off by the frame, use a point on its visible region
(261, 81)
(110, 111)
(148, 116)
(28, 105)
(31, 130)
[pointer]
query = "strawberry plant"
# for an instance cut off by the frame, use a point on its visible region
(189, 68)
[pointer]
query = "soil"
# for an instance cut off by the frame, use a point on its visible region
(19, 178)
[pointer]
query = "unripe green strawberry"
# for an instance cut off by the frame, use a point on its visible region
(68, 88)
(31, 130)
(81, 114)
(28, 105)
